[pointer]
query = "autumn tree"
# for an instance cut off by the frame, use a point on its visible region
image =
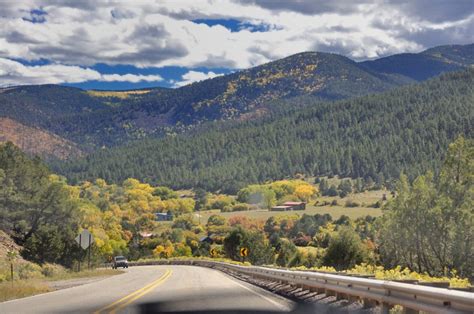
(429, 225)
(36, 208)
(345, 250)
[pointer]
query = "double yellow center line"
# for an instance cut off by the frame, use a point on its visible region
(128, 299)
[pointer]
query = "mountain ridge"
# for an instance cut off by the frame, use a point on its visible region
(376, 136)
(94, 118)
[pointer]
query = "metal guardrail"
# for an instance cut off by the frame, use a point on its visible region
(387, 294)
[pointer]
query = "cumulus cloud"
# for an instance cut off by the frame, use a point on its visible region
(195, 76)
(157, 34)
(14, 73)
(132, 78)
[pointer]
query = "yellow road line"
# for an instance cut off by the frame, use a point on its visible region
(135, 295)
(161, 280)
(126, 297)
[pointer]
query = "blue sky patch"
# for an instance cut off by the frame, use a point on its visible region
(235, 25)
(37, 16)
(32, 62)
(170, 75)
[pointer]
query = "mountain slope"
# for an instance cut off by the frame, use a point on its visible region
(407, 129)
(93, 119)
(248, 92)
(34, 141)
(429, 63)
(41, 105)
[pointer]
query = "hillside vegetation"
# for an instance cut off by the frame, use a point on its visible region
(429, 63)
(425, 230)
(242, 95)
(375, 137)
(35, 141)
(94, 119)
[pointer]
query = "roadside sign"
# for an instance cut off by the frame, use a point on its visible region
(213, 252)
(85, 239)
(244, 251)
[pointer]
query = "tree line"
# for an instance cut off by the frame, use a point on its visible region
(373, 137)
(427, 227)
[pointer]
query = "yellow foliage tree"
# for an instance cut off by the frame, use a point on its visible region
(305, 191)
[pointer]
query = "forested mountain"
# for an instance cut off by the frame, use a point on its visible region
(241, 95)
(94, 119)
(42, 105)
(377, 136)
(429, 63)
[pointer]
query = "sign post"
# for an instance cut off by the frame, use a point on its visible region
(89, 247)
(244, 252)
(85, 240)
(11, 256)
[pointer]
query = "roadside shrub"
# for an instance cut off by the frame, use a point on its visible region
(181, 249)
(302, 240)
(198, 229)
(297, 259)
(216, 220)
(332, 191)
(185, 222)
(345, 250)
(285, 251)
(226, 209)
(334, 203)
(51, 270)
(240, 207)
(253, 207)
(351, 203)
(312, 260)
(377, 204)
(221, 202)
(29, 270)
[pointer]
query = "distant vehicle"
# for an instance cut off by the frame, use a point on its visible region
(120, 261)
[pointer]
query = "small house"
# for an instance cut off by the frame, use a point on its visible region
(207, 239)
(145, 234)
(164, 216)
(295, 205)
(289, 206)
(280, 208)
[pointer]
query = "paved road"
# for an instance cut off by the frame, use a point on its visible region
(183, 288)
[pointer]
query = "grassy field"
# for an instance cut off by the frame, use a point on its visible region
(84, 274)
(23, 288)
(365, 201)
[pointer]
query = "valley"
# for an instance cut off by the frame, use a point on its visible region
(222, 156)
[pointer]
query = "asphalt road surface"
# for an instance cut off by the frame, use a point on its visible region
(169, 288)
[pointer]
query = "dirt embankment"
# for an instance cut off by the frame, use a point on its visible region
(7, 244)
(35, 141)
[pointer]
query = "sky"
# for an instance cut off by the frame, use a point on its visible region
(108, 44)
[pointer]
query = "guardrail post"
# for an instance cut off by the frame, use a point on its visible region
(385, 308)
(339, 296)
(369, 303)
